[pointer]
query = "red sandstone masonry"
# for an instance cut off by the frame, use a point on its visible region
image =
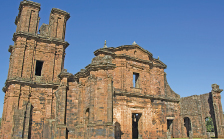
(101, 100)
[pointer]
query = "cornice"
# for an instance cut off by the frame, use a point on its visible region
(95, 67)
(106, 51)
(29, 83)
(26, 3)
(138, 95)
(159, 64)
(41, 38)
(62, 12)
(133, 59)
(29, 3)
(113, 49)
(83, 73)
(64, 74)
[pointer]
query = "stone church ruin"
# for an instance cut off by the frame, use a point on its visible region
(123, 93)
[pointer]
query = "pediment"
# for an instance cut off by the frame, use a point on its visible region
(131, 52)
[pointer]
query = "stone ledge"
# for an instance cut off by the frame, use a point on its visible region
(122, 47)
(59, 11)
(30, 3)
(138, 95)
(29, 83)
(26, 3)
(190, 114)
(64, 74)
(160, 64)
(93, 67)
(93, 125)
(38, 37)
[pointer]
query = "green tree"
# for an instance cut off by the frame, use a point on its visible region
(209, 124)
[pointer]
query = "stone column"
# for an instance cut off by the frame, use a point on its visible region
(110, 101)
(92, 114)
(217, 106)
(61, 97)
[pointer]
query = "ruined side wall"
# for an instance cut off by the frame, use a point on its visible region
(196, 108)
(173, 113)
(89, 106)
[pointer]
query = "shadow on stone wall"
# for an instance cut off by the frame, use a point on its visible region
(118, 131)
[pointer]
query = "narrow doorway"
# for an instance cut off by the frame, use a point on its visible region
(135, 125)
(170, 126)
(187, 124)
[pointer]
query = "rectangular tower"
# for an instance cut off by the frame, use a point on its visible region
(35, 62)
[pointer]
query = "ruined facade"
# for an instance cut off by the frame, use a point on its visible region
(122, 94)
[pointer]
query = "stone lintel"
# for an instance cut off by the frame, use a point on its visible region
(38, 37)
(61, 12)
(138, 95)
(170, 118)
(61, 125)
(93, 125)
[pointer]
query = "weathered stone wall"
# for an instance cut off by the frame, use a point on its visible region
(191, 107)
(24, 88)
(197, 108)
(123, 93)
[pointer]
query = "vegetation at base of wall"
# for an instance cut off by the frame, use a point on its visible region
(209, 124)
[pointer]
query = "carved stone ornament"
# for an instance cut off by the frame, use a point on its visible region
(216, 89)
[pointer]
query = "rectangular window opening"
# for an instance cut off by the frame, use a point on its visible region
(136, 80)
(39, 65)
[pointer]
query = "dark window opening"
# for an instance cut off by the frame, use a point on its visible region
(136, 80)
(39, 65)
(135, 125)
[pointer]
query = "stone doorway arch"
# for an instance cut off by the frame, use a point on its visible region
(187, 125)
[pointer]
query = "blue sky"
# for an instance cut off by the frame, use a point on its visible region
(187, 35)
